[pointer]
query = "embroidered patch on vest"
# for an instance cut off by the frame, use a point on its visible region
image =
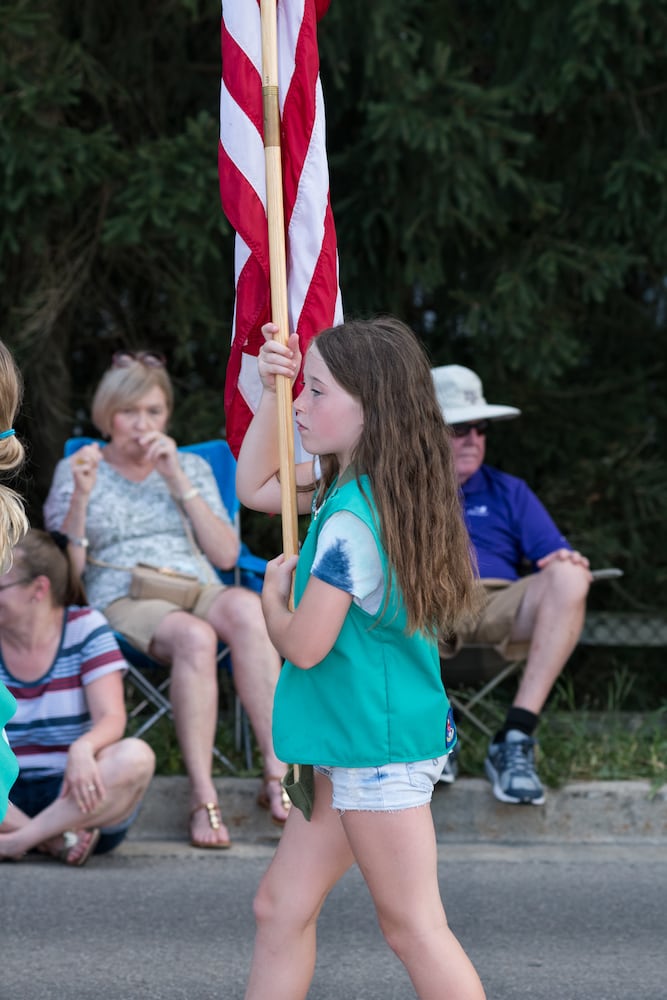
(450, 730)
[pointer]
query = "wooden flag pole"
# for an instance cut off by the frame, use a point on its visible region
(278, 267)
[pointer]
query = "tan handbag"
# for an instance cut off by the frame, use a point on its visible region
(161, 583)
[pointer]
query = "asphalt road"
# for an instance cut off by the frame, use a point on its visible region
(160, 921)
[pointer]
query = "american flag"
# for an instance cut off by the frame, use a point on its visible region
(313, 291)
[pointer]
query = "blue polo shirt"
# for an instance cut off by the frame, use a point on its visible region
(508, 525)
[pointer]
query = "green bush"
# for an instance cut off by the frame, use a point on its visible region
(498, 180)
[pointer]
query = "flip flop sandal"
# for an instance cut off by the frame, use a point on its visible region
(70, 840)
(265, 801)
(215, 822)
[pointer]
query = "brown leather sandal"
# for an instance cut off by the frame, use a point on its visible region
(265, 801)
(215, 822)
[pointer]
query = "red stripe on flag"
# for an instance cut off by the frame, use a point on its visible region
(242, 80)
(312, 262)
(245, 211)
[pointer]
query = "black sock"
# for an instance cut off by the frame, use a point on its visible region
(517, 718)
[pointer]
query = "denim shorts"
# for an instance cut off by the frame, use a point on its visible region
(388, 788)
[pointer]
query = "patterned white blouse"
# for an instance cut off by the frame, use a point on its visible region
(131, 522)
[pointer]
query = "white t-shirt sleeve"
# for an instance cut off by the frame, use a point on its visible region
(347, 558)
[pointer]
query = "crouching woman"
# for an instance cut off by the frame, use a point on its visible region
(80, 783)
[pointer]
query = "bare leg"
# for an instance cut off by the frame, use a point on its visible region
(14, 819)
(190, 645)
(310, 859)
(397, 854)
(551, 618)
(126, 769)
(237, 617)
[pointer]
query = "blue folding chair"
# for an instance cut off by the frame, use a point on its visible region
(248, 572)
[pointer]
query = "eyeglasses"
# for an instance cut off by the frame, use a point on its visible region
(151, 359)
(462, 430)
(16, 583)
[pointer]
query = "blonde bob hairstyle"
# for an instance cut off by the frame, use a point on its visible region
(123, 387)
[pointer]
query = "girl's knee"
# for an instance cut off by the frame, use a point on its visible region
(402, 934)
(283, 913)
(265, 905)
(396, 937)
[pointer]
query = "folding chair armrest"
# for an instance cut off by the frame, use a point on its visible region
(607, 573)
(248, 571)
(252, 569)
(251, 563)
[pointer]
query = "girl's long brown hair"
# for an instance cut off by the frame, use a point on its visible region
(405, 451)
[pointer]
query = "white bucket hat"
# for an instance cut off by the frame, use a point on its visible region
(461, 398)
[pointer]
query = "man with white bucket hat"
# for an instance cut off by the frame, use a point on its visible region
(539, 616)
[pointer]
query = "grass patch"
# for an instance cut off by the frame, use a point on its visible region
(162, 738)
(603, 739)
(610, 741)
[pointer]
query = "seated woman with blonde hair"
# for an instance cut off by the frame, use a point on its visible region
(139, 500)
(80, 783)
(13, 525)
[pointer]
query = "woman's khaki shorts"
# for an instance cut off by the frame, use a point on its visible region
(138, 620)
(502, 600)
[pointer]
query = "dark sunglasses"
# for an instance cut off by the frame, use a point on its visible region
(462, 430)
(151, 359)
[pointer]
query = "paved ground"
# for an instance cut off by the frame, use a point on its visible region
(160, 921)
(566, 902)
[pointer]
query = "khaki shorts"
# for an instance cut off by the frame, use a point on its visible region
(502, 600)
(138, 620)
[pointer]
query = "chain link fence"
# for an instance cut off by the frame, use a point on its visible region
(624, 628)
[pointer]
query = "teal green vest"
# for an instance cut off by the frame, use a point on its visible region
(8, 765)
(377, 697)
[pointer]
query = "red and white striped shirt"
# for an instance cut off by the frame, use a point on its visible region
(52, 712)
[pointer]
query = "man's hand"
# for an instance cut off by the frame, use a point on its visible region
(565, 555)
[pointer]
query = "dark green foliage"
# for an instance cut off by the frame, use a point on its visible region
(498, 179)
(111, 232)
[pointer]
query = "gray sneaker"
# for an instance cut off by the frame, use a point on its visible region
(510, 767)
